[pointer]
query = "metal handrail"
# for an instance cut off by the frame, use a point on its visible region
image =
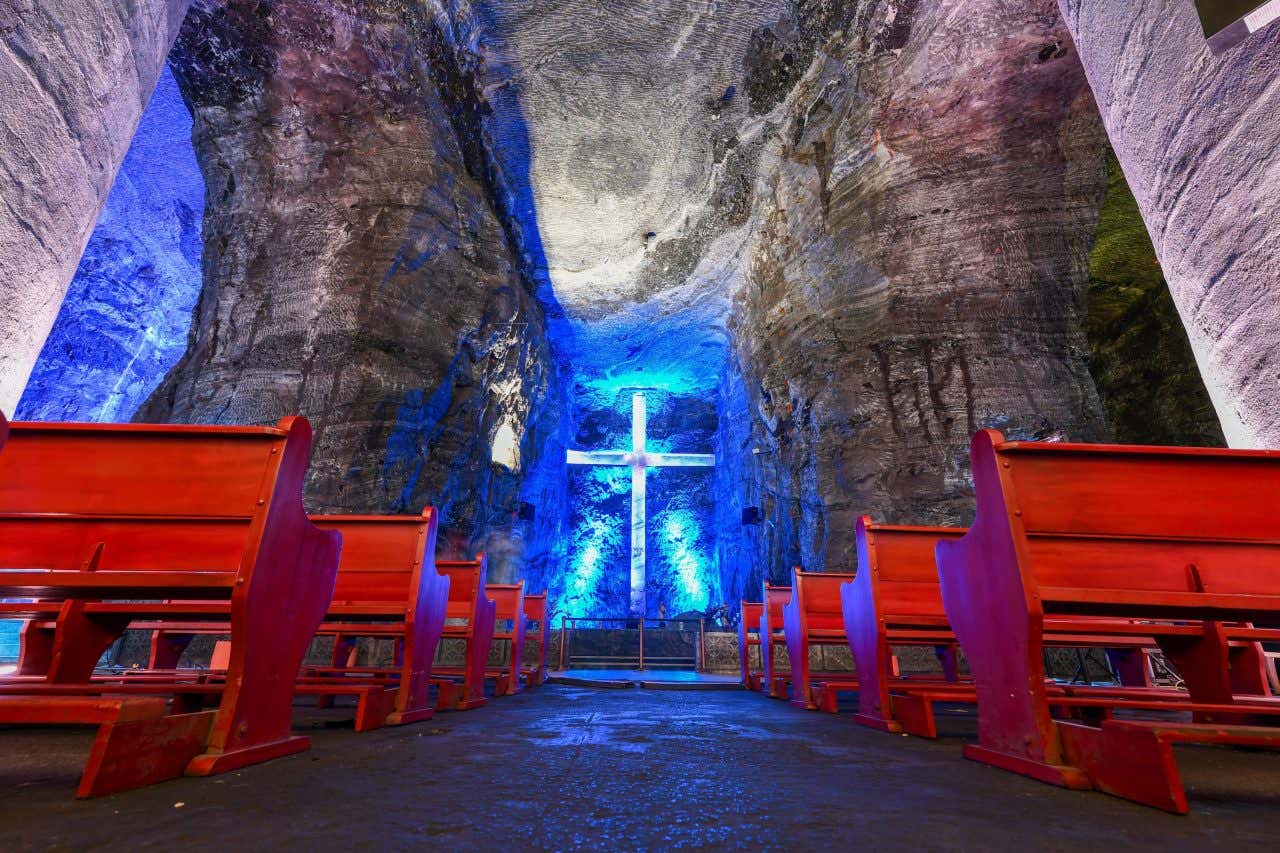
(570, 623)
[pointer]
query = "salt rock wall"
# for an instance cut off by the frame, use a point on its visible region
(1195, 135)
(75, 77)
(357, 269)
(631, 122)
(126, 315)
(918, 271)
(1146, 373)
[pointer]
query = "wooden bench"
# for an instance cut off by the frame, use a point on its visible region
(773, 679)
(535, 613)
(387, 588)
(1187, 540)
(748, 639)
(508, 602)
(896, 600)
(814, 617)
(470, 618)
(110, 521)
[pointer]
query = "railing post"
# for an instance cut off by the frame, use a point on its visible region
(642, 644)
(699, 663)
(563, 620)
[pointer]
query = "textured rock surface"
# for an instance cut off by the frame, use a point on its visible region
(76, 76)
(357, 271)
(125, 318)
(1196, 137)
(918, 272)
(1142, 362)
(639, 181)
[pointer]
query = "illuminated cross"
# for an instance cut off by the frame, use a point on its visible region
(638, 459)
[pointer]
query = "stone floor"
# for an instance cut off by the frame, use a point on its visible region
(575, 768)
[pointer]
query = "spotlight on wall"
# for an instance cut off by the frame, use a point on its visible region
(526, 511)
(751, 515)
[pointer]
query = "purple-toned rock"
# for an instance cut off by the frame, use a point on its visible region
(917, 273)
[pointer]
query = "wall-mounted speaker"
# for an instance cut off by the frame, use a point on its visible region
(751, 515)
(526, 511)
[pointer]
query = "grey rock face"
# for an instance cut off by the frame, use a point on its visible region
(917, 273)
(1196, 135)
(126, 315)
(639, 169)
(356, 270)
(76, 76)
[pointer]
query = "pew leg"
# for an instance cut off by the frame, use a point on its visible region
(473, 679)
(345, 648)
(1248, 670)
(268, 646)
(1127, 761)
(914, 713)
(35, 647)
(1003, 641)
(167, 648)
(422, 631)
(131, 754)
(80, 640)
(1203, 663)
(949, 661)
(1131, 666)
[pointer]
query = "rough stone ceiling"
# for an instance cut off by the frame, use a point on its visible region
(621, 114)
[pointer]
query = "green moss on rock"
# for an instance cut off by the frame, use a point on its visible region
(1146, 375)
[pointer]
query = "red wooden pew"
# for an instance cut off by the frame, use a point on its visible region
(895, 600)
(107, 522)
(508, 602)
(773, 680)
(535, 613)
(386, 587)
(749, 638)
(1184, 539)
(470, 618)
(813, 617)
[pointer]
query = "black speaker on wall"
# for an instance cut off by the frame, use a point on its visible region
(751, 515)
(526, 511)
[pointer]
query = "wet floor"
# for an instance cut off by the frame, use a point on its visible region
(574, 768)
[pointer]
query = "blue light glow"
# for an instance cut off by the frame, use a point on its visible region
(681, 565)
(125, 318)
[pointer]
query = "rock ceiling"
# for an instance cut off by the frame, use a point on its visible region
(622, 115)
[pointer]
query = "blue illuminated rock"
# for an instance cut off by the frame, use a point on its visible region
(359, 269)
(75, 77)
(125, 318)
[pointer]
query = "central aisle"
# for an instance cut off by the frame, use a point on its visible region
(567, 767)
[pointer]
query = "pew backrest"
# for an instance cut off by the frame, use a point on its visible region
(816, 599)
(508, 601)
(86, 503)
(897, 564)
(535, 608)
(384, 557)
(1186, 533)
(466, 588)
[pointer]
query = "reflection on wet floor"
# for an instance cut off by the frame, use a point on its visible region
(564, 767)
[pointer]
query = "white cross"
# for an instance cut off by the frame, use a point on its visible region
(637, 460)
